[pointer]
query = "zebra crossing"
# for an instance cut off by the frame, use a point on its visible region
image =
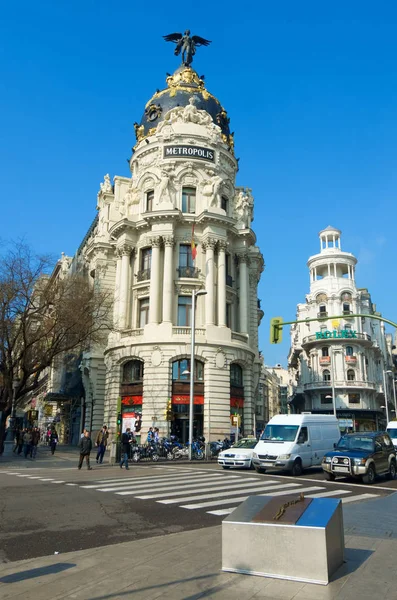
(216, 493)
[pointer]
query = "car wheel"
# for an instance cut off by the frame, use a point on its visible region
(370, 476)
(223, 467)
(260, 470)
(297, 469)
(170, 456)
(136, 457)
(329, 476)
(155, 457)
(392, 470)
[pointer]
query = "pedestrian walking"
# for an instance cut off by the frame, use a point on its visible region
(150, 435)
(101, 442)
(18, 435)
(35, 442)
(53, 440)
(126, 441)
(85, 450)
(27, 441)
(156, 435)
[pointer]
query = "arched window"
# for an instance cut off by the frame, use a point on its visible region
(351, 375)
(325, 351)
(326, 375)
(181, 370)
(349, 351)
(133, 371)
(236, 375)
(322, 309)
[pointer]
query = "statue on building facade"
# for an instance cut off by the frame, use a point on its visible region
(106, 186)
(212, 189)
(244, 203)
(186, 45)
(166, 190)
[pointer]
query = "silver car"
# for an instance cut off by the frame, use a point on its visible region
(239, 455)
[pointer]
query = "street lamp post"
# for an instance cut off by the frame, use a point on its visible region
(385, 394)
(192, 345)
(9, 439)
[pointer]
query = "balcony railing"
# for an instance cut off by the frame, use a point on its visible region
(325, 360)
(229, 280)
(191, 272)
(240, 337)
(187, 331)
(352, 360)
(322, 314)
(143, 275)
(314, 385)
(357, 336)
(346, 313)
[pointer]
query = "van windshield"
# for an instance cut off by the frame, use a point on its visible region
(280, 433)
(392, 432)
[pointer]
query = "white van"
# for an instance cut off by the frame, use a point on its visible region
(392, 431)
(295, 442)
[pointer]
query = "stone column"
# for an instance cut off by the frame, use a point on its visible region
(117, 288)
(126, 251)
(209, 282)
(222, 283)
(243, 269)
(168, 279)
(154, 296)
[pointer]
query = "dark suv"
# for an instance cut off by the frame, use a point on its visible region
(363, 455)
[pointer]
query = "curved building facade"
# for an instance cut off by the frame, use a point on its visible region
(179, 224)
(340, 365)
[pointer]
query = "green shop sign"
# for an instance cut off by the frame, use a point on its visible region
(343, 333)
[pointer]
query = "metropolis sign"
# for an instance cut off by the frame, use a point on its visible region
(343, 333)
(189, 152)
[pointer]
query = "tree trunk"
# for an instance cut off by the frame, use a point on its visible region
(6, 412)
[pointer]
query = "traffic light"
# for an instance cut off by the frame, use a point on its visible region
(119, 419)
(276, 330)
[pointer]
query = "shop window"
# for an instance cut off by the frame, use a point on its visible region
(349, 350)
(184, 310)
(149, 200)
(325, 351)
(181, 370)
(236, 375)
(143, 312)
(188, 200)
(326, 375)
(326, 399)
(133, 371)
(351, 376)
(354, 398)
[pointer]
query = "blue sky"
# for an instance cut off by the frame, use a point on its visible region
(311, 91)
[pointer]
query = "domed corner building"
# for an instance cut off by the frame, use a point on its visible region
(179, 225)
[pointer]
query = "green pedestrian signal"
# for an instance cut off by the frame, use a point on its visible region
(276, 330)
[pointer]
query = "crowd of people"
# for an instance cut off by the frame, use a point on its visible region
(26, 440)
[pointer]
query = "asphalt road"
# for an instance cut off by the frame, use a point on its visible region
(45, 508)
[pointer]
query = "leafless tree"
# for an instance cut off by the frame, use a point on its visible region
(42, 316)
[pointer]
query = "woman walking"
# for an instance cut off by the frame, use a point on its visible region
(53, 440)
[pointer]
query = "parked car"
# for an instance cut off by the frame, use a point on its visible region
(239, 455)
(295, 442)
(361, 455)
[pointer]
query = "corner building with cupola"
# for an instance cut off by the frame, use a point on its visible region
(178, 224)
(346, 361)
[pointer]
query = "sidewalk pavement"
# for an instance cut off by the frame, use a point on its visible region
(186, 566)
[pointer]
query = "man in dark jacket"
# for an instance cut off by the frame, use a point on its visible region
(101, 442)
(126, 440)
(85, 449)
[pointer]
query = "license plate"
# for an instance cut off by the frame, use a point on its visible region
(267, 464)
(342, 469)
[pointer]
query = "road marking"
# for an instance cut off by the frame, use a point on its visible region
(23, 475)
(242, 498)
(249, 488)
(327, 494)
(221, 512)
(153, 483)
(208, 489)
(150, 477)
(72, 484)
(48, 479)
(361, 497)
(165, 488)
(36, 477)
(57, 482)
